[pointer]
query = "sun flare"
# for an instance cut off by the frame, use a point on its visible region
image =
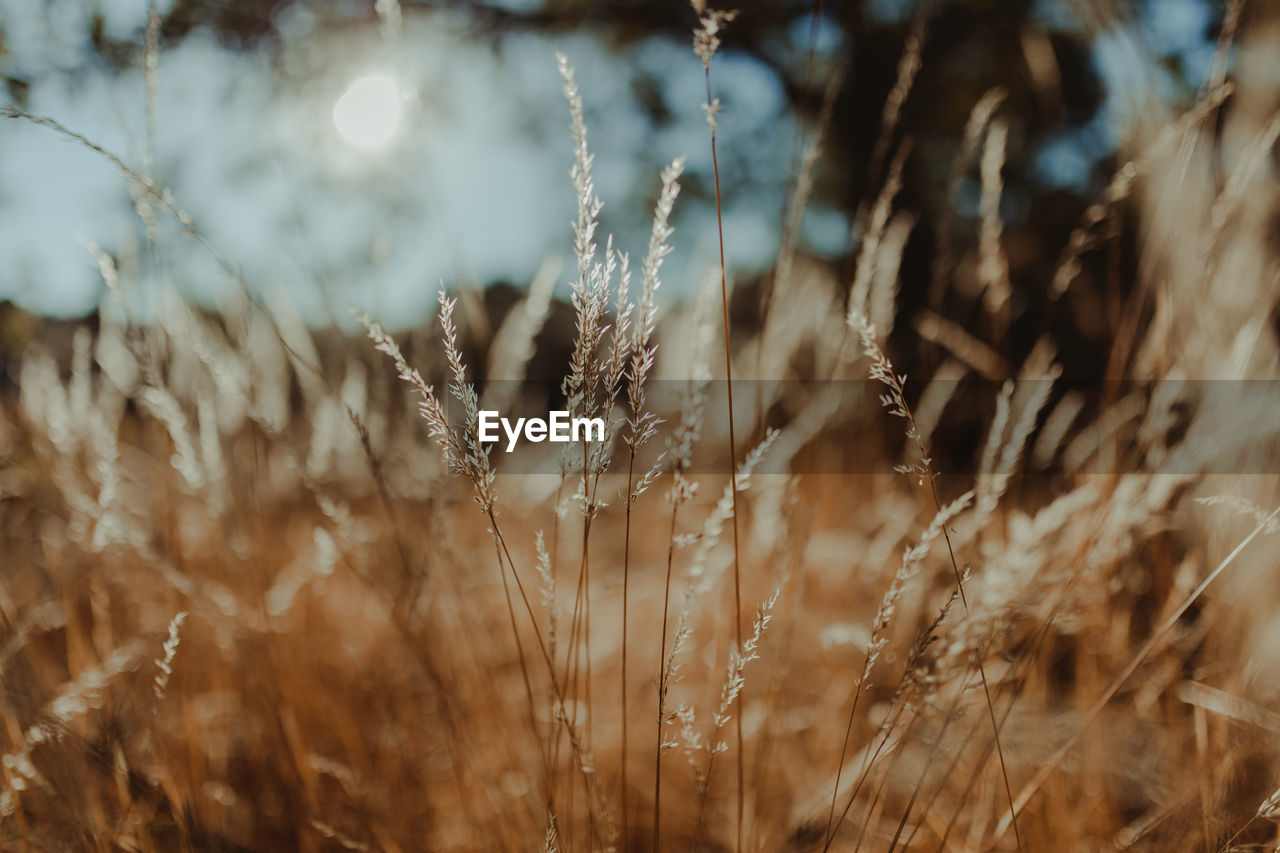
(367, 115)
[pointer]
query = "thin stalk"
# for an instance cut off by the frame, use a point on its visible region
(902, 699)
(586, 587)
(844, 749)
(884, 780)
(626, 575)
(982, 671)
(920, 780)
(867, 764)
(1232, 840)
(662, 685)
(733, 457)
(554, 553)
(570, 677)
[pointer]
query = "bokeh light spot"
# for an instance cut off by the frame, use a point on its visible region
(368, 112)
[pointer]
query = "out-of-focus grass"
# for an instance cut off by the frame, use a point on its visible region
(370, 661)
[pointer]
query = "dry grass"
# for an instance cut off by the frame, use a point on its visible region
(247, 604)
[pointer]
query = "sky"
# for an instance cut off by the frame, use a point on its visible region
(472, 188)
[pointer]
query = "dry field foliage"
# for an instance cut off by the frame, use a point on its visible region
(264, 591)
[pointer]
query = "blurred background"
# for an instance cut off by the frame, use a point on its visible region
(1089, 194)
(350, 152)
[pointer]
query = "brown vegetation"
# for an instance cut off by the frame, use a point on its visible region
(247, 603)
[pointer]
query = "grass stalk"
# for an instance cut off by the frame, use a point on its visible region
(733, 455)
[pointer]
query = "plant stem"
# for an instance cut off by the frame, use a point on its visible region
(662, 684)
(626, 575)
(733, 459)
